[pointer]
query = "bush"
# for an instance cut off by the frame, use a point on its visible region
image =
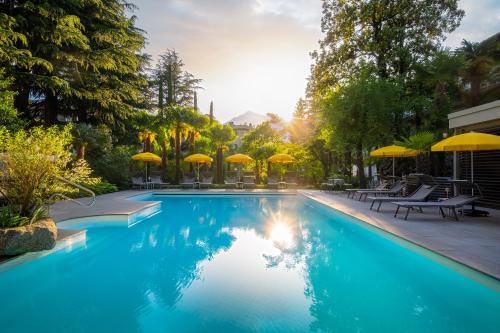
(103, 188)
(31, 162)
(114, 166)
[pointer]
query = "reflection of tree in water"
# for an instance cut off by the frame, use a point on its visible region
(178, 246)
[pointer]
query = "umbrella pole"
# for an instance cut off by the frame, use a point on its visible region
(472, 170)
(393, 167)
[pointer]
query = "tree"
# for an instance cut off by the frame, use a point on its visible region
(421, 142)
(392, 35)
(359, 115)
(181, 119)
(478, 65)
(260, 143)
(175, 85)
(84, 61)
(221, 136)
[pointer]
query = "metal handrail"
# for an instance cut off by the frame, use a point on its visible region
(81, 187)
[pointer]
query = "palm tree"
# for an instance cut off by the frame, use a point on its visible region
(182, 119)
(221, 136)
(421, 142)
(478, 66)
(147, 137)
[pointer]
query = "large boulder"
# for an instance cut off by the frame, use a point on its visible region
(38, 236)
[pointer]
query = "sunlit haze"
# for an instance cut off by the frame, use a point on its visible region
(254, 54)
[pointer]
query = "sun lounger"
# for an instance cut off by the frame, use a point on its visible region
(232, 179)
(137, 182)
(395, 189)
(207, 181)
(452, 204)
(156, 180)
(189, 181)
(248, 181)
(419, 195)
(379, 187)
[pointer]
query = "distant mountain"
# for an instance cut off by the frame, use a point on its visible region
(249, 117)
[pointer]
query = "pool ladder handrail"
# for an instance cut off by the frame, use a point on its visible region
(81, 187)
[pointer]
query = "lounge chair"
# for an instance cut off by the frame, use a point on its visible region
(248, 181)
(329, 184)
(156, 180)
(138, 182)
(272, 180)
(451, 203)
(189, 180)
(395, 189)
(381, 186)
(290, 179)
(419, 195)
(232, 179)
(207, 180)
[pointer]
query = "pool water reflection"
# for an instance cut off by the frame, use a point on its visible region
(242, 264)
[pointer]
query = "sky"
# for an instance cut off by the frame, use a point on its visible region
(253, 55)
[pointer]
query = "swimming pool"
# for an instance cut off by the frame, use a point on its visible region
(245, 263)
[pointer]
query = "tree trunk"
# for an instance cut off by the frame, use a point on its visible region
(177, 154)
(475, 92)
(360, 166)
(80, 153)
(191, 148)
(50, 115)
(257, 172)
(220, 166)
(164, 160)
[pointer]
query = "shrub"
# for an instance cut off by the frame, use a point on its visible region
(31, 161)
(114, 167)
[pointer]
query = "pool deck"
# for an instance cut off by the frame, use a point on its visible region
(473, 241)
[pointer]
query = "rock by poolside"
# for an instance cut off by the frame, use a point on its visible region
(39, 236)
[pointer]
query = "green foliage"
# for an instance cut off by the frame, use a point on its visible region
(421, 142)
(12, 219)
(80, 59)
(115, 166)
(361, 112)
(31, 161)
(103, 188)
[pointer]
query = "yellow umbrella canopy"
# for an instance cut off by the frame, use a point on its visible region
(281, 159)
(198, 158)
(468, 142)
(147, 157)
(239, 158)
(393, 151)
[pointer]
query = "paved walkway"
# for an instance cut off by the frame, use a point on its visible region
(473, 241)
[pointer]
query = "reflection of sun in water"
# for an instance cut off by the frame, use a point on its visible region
(281, 235)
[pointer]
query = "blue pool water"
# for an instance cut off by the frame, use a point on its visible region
(243, 264)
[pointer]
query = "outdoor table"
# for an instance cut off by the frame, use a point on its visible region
(281, 185)
(239, 184)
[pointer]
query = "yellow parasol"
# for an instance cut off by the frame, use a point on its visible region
(239, 158)
(198, 159)
(147, 157)
(393, 151)
(469, 142)
(281, 159)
